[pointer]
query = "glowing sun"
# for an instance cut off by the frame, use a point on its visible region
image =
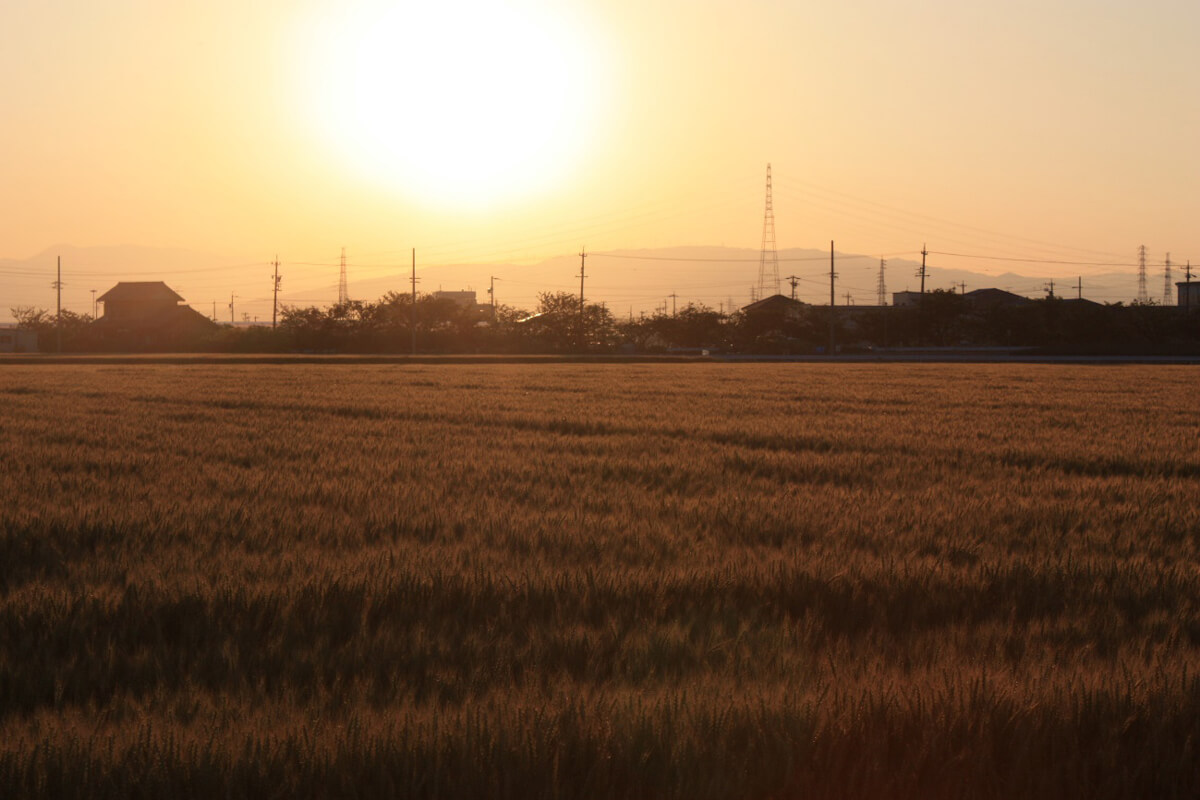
(455, 102)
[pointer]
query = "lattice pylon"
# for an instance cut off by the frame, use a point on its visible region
(343, 293)
(1143, 296)
(1168, 289)
(768, 261)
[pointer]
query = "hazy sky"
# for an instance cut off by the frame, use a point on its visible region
(476, 131)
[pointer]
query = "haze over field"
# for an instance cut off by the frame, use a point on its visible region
(501, 135)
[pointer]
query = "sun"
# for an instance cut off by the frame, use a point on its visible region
(454, 102)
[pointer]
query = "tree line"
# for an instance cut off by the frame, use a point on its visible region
(558, 324)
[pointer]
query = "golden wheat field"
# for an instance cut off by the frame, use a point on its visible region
(600, 581)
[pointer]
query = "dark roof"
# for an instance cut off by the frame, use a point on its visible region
(995, 297)
(140, 292)
(161, 319)
(774, 301)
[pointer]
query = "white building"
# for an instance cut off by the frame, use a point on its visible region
(466, 299)
(1189, 294)
(17, 340)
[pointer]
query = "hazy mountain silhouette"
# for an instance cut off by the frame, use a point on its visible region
(627, 280)
(715, 275)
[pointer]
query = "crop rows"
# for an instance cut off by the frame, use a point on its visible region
(590, 581)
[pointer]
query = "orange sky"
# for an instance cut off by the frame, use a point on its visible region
(1054, 130)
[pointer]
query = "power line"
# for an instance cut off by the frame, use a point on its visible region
(1032, 260)
(911, 219)
(691, 260)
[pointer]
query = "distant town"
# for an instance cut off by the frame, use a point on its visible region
(150, 317)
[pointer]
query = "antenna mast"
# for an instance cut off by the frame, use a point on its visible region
(769, 257)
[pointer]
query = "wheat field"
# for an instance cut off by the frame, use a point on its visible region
(599, 581)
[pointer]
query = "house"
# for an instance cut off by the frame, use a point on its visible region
(149, 314)
(994, 298)
(135, 301)
(980, 299)
(777, 305)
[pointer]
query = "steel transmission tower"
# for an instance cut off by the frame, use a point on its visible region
(343, 294)
(1167, 283)
(882, 285)
(769, 258)
(1142, 296)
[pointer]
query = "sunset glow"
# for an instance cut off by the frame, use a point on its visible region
(1049, 139)
(465, 103)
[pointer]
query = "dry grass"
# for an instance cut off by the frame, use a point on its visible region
(600, 581)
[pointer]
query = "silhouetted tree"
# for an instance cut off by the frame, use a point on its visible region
(557, 326)
(73, 329)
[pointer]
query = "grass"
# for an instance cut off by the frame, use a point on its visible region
(561, 580)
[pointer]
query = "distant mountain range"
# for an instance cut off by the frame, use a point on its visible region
(718, 276)
(628, 281)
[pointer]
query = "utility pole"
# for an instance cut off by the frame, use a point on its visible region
(1079, 288)
(275, 293)
(962, 287)
(793, 280)
(1050, 289)
(58, 284)
(582, 275)
(231, 319)
(921, 304)
(672, 296)
(849, 298)
(832, 275)
(93, 303)
(1187, 289)
(214, 314)
(921, 272)
(492, 295)
(414, 301)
